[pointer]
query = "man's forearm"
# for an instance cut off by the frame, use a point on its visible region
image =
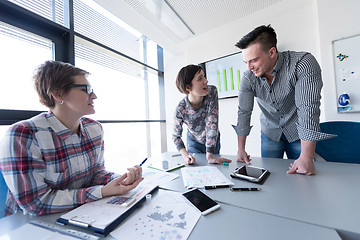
(241, 143)
(307, 150)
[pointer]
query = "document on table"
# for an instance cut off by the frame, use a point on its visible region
(168, 215)
(99, 214)
(157, 176)
(198, 177)
(102, 216)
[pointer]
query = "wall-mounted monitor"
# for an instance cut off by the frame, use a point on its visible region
(225, 73)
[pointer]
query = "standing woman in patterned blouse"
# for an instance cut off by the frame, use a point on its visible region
(199, 111)
(54, 161)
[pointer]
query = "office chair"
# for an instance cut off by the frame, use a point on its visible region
(343, 148)
(3, 193)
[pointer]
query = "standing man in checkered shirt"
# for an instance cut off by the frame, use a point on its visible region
(287, 87)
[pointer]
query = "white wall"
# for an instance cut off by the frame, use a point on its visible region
(306, 25)
(294, 24)
(337, 19)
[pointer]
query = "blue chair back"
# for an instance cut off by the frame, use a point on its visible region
(3, 193)
(343, 148)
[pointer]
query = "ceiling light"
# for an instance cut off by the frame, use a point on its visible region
(163, 11)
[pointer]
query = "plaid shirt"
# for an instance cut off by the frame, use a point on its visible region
(48, 168)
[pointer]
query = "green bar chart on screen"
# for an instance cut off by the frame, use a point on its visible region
(219, 81)
(224, 73)
(225, 80)
(231, 78)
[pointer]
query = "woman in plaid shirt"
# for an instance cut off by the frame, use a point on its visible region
(54, 161)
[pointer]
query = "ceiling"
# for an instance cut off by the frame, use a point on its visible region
(201, 15)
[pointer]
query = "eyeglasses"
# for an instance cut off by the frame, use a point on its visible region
(89, 90)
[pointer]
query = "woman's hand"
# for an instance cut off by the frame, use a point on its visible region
(123, 184)
(133, 174)
(188, 159)
(211, 159)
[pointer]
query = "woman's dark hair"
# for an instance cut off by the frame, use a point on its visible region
(185, 76)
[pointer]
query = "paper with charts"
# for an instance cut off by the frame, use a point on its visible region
(168, 215)
(198, 177)
(99, 214)
(152, 176)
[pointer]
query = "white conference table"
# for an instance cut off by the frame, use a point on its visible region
(229, 222)
(329, 199)
(288, 206)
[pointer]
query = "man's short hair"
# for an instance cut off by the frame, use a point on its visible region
(265, 35)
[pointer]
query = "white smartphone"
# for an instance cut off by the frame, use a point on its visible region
(201, 201)
(250, 173)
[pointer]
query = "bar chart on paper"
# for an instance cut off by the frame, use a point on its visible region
(225, 73)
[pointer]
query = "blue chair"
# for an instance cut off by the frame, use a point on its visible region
(343, 148)
(3, 193)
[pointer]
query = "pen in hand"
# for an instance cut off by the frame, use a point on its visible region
(143, 162)
(189, 156)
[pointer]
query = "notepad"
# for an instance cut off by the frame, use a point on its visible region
(102, 217)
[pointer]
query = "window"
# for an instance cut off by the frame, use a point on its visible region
(21, 53)
(94, 22)
(114, 82)
(53, 10)
(3, 129)
(127, 144)
(123, 64)
(122, 91)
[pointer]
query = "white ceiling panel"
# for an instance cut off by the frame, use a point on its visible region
(200, 15)
(205, 15)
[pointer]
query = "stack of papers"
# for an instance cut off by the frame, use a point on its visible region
(199, 177)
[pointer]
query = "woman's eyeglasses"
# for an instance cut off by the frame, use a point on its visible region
(89, 90)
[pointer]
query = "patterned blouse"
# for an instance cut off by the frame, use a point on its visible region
(202, 123)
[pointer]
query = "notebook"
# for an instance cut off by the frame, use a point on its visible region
(106, 214)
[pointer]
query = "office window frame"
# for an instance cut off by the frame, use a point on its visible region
(64, 42)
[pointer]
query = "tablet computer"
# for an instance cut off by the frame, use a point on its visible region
(250, 173)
